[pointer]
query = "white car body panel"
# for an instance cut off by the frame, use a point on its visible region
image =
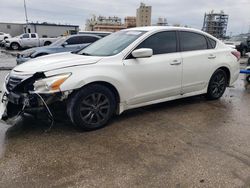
(141, 81)
(4, 36)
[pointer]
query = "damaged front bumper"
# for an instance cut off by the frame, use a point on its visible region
(20, 99)
(12, 103)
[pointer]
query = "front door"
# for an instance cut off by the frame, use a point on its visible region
(157, 77)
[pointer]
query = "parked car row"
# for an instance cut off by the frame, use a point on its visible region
(4, 36)
(27, 40)
(45, 46)
(70, 43)
(241, 43)
(125, 70)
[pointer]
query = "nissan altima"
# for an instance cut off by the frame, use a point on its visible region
(127, 69)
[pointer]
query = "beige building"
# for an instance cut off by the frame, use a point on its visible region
(102, 23)
(130, 21)
(143, 15)
(108, 28)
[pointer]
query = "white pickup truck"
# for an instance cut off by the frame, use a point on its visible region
(27, 40)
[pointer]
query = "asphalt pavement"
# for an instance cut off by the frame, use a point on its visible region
(190, 142)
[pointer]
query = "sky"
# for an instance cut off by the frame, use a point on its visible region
(184, 12)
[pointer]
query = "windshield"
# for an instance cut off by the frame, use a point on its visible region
(59, 42)
(112, 44)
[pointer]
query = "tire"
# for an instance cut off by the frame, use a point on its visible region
(14, 46)
(47, 43)
(91, 107)
(248, 79)
(217, 85)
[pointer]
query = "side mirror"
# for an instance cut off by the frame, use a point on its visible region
(64, 44)
(142, 53)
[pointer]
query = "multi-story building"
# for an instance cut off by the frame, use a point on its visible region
(216, 24)
(102, 23)
(143, 15)
(130, 21)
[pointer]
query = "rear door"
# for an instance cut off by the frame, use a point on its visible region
(197, 58)
(34, 40)
(155, 77)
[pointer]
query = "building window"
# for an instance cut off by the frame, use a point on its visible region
(8, 26)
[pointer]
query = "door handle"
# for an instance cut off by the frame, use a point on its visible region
(211, 56)
(175, 62)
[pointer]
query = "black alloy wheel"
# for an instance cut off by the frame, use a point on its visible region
(217, 85)
(91, 107)
(95, 108)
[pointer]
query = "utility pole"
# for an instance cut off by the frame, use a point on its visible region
(26, 16)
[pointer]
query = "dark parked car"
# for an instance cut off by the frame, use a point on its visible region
(70, 43)
(241, 43)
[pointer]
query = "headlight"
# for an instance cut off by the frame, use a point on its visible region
(51, 84)
(28, 53)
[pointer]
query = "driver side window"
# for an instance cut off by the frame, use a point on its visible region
(161, 43)
(25, 36)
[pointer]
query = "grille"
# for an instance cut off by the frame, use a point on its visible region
(13, 82)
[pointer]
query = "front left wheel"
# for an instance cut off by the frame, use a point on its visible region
(91, 107)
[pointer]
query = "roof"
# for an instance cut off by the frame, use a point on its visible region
(165, 28)
(155, 28)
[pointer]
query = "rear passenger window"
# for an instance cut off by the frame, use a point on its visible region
(73, 40)
(87, 39)
(81, 40)
(192, 41)
(161, 43)
(33, 36)
(211, 42)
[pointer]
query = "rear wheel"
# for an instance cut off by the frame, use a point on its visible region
(15, 46)
(91, 107)
(217, 85)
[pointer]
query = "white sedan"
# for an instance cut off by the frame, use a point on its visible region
(128, 69)
(4, 36)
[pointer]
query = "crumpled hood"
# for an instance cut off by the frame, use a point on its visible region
(55, 61)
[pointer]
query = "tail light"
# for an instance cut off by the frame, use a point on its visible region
(236, 54)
